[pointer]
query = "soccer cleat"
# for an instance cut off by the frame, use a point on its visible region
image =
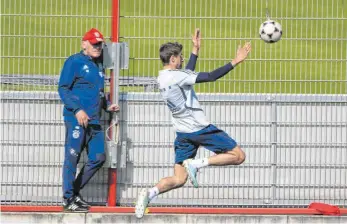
(79, 199)
(72, 206)
(191, 170)
(141, 204)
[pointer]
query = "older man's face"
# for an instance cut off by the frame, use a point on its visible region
(92, 50)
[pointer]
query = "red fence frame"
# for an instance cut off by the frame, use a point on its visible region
(177, 210)
(112, 172)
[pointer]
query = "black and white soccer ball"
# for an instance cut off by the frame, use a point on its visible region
(270, 31)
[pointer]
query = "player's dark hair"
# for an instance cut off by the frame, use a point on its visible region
(169, 49)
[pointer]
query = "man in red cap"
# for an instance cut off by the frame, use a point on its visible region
(81, 88)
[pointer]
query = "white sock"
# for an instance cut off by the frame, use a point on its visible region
(152, 193)
(199, 163)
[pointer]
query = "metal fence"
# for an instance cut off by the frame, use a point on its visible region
(296, 151)
(38, 35)
(309, 59)
(286, 105)
(32, 151)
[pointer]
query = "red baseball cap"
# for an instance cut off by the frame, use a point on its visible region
(93, 36)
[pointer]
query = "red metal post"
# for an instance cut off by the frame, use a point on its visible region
(115, 21)
(112, 173)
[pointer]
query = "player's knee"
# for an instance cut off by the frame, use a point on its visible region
(241, 157)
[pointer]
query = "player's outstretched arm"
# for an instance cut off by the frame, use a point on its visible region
(195, 51)
(241, 55)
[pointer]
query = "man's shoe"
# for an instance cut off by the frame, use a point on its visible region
(70, 205)
(142, 203)
(80, 200)
(191, 170)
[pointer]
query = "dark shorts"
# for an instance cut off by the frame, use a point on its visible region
(212, 138)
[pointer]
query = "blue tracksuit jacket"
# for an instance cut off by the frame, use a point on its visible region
(81, 87)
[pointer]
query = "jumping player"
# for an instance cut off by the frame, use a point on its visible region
(192, 128)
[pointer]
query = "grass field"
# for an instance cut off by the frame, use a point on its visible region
(37, 36)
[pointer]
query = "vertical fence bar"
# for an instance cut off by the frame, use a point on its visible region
(273, 140)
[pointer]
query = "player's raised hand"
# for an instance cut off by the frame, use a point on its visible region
(196, 40)
(242, 53)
